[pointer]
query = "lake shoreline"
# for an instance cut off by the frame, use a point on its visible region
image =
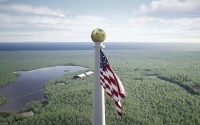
(17, 73)
(30, 89)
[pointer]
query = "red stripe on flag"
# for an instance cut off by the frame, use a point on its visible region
(111, 83)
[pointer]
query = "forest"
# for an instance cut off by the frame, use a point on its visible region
(163, 87)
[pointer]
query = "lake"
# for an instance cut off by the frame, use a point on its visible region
(28, 87)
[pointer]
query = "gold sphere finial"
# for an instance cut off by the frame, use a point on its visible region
(98, 35)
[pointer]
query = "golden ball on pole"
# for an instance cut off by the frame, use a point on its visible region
(98, 35)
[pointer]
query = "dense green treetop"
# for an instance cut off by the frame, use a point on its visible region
(158, 85)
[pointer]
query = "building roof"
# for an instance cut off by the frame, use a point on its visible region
(89, 73)
(81, 75)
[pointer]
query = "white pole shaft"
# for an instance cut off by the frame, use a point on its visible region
(98, 99)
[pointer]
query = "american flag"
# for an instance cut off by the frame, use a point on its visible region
(111, 83)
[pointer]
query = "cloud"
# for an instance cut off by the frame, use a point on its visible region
(32, 23)
(45, 36)
(171, 7)
(155, 22)
(168, 20)
(168, 14)
(168, 30)
(45, 17)
(12, 21)
(48, 28)
(163, 23)
(23, 8)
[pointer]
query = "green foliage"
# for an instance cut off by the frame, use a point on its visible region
(150, 100)
(2, 100)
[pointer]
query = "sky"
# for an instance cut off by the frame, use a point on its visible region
(122, 20)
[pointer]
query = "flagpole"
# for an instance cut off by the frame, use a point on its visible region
(98, 36)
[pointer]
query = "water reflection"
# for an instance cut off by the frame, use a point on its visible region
(29, 85)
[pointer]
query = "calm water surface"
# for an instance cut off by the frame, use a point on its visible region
(27, 87)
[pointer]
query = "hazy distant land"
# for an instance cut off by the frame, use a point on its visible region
(109, 45)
